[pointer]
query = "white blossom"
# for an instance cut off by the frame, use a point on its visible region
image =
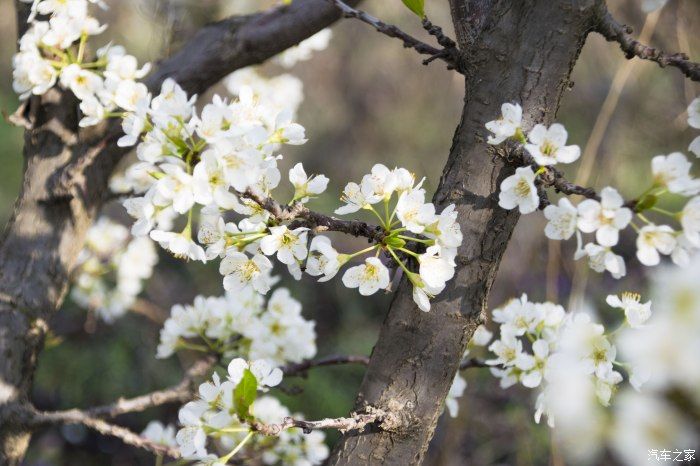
(156, 432)
(673, 172)
(547, 145)
(601, 258)
(265, 373)
(437, 266)
(507, 125)
(653, 240)
(606, 217)
(456, 391)
(181, 245)
(415, 214)
(368, 277)
(519, 191)
(240, 271)
(289, 245)
(306, 186)
(636, 313)
(323, 260)
(563, 220)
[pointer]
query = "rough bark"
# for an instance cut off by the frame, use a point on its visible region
(519, 51)
(65, 183)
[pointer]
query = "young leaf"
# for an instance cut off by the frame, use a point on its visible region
(244, 394)
(416, 6)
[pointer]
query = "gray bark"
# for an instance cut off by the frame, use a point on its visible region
(513, 51)
(65, 182)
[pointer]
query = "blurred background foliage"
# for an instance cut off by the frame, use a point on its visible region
(367, 100)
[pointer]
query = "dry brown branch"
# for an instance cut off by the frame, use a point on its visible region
(614, 31)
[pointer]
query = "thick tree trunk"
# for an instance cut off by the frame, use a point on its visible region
(514, 51)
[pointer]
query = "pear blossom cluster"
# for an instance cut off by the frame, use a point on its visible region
(409, 220)
(607, 215)
(112, 269)
(538, 341)
(241, 325)
(54, 50)
(203, 161)
(220, 423)
(658, 350)
(216, 164)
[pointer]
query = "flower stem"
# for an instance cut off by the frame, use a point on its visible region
(369, 207)
(664, 212)
(225, 459)
(417, 240)
(81, 48)
(400, 262)
(408, 251)
(371, 248)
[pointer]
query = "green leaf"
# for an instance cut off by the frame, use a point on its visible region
(244, 394)
(416, 6)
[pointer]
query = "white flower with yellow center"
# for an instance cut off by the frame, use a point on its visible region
(368, 277)
(289, 245)
(654, 240)
(240, 271)
(606, 217)
(519, 191)
(548, 145)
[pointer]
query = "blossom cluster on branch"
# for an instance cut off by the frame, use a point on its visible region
(578, 368)
(606, 214)
(202, 187)
(241, 325)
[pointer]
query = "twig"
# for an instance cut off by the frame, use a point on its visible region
(76, 416)
(616, 32)
(356, 421)
(92, 417)
(301, 368)
(550, 178)
(449, 53)
(300, 216)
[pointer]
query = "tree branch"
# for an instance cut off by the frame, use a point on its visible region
(75, 416)
(301, 368)
(613, 31)
(301, 216)
(449, 53)
(356, 421)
